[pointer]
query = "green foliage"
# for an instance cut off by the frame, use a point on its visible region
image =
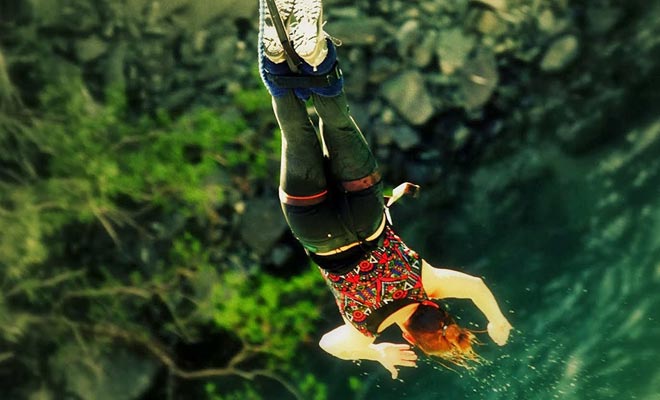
(271, 312)
(313, 388)
(110, 221)
(253, 100)
(155, 161)
(247, 393)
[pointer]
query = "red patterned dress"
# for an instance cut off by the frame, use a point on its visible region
(386, 279)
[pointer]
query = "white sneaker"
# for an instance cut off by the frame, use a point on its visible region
(272, 46)
(306, 31)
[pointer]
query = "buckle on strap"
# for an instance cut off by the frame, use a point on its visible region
(306, 81)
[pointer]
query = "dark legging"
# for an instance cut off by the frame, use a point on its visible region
(328, 201)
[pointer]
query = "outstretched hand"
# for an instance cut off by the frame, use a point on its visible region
(499, 331)
(390, 355)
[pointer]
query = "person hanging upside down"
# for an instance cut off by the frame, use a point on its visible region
(333, 203)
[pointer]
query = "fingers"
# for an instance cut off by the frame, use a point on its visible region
(394, 355)
(393, 371)
(409, 356)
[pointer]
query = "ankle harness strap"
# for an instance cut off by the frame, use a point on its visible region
(306, 81)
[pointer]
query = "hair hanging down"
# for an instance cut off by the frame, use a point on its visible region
(434, 331)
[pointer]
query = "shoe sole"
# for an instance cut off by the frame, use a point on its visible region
(271, 42)
(309, 30)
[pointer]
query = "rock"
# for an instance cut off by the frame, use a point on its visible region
(409, 95)
(453, 48)
(560, 53)
(281, 255)
(381, 68)
(498, 5)
(359, 31)
(489, 23)
(461, 137)
(262, 224)
(479, 79)
(196, 15)
(407, 36)
(415, 44)
(423, 53)
(549, 23)
(383, 134)
(102, 375)
(90, 48)
(406, 138)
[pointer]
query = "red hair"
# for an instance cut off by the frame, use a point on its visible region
(434, 331)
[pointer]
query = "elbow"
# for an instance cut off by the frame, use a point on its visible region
(325, 343)
(330, 345)
(478, 283)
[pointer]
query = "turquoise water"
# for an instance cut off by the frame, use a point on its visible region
(573, 255)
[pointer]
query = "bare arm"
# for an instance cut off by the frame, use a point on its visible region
(444, 283)
(348, 343)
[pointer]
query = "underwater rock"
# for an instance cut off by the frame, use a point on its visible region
(496, 187)
(560, 54)
(409, 95)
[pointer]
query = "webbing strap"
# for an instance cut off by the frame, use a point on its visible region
(306, 81)
(403, 189)
(292, 58)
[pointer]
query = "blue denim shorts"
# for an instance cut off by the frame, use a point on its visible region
(267, 66)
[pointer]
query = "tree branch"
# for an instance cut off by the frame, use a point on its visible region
(53, 281)
(158, 351)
